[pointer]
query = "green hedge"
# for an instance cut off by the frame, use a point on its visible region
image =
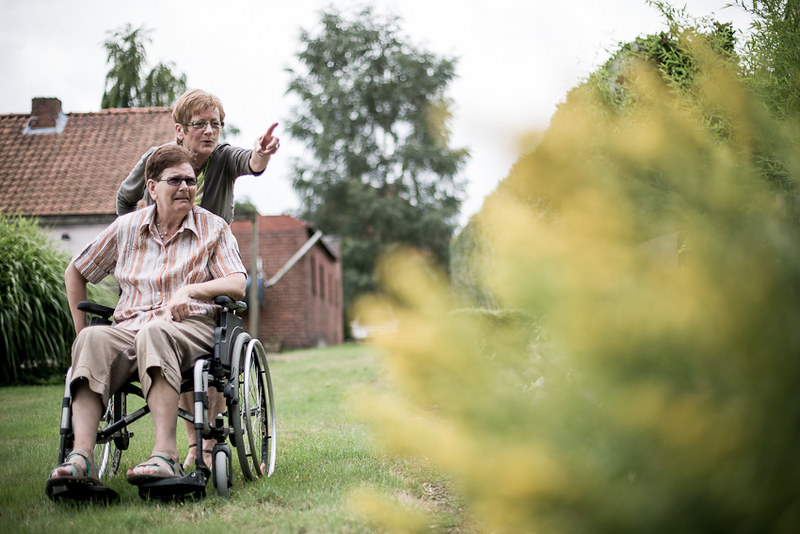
(35, 324)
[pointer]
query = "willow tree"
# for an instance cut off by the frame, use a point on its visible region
(374, 115)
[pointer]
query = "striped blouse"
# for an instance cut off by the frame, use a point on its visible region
(149, 272)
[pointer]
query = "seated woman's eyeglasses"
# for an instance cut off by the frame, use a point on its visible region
(201, 125)
(175, 181)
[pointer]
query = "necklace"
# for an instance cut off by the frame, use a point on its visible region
(162, 235)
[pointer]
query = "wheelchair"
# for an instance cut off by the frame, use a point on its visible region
(238, 369)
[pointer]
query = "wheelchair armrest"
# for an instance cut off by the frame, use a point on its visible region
(230, 304)
(96, 309)
(104, 313)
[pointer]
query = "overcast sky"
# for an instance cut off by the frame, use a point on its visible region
(516, 61)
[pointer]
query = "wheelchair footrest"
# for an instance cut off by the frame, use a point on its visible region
(192, 486)
(80, 491)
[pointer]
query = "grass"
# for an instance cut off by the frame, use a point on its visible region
(324, 454)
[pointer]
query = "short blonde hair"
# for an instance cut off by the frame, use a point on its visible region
(194, 101)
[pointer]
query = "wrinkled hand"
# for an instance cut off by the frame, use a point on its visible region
(268, 144)
(178, 305)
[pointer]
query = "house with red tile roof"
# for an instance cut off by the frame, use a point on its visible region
(64, 170)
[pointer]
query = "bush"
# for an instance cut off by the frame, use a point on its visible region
(772, 54)
(625, 388)
(35, 323)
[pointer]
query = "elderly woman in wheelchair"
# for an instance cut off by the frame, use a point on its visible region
(171, 260)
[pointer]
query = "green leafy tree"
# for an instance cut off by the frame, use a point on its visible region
(373, 113)
(244, 210)
(128, 85)
(769, 63)
(676, 54)
(677, 57)
(772, 54)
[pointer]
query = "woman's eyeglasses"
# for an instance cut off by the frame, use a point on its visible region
(175, 181)
(202, 125)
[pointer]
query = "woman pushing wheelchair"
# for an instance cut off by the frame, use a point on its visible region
(199, 118)
(170, 260)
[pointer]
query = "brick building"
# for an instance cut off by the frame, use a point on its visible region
(301, 279)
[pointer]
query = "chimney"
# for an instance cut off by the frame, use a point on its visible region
(44, 113)
(46, 117)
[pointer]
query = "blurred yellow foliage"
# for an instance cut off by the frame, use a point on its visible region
(384, 512)
(615, 388)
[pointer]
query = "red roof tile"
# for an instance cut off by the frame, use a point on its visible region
(271, 223)
(280, 222)
(77, 171)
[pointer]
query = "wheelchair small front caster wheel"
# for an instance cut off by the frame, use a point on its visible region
(222, 470)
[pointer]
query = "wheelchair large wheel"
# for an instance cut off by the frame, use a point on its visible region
(106, 453)
(254, 423)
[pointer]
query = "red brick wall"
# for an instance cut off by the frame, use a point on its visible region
(326, 297)
(294, 311)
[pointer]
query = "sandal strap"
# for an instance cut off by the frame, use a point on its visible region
(188, 463)
(72, 465)
(176, 467)
(194, 445)
(156, 465)
(169, 461)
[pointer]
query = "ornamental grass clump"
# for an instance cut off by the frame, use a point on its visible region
(640, 372)
(35, 324)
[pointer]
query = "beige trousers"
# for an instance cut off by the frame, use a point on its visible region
(107, 357)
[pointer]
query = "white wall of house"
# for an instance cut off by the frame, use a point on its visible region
(73, 238)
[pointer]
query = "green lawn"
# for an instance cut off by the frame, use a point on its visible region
(324, 453)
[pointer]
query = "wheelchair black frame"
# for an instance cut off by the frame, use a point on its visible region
(213, 366)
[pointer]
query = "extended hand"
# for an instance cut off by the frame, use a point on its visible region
(268, 144)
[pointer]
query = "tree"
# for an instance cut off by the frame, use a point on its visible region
(244, 210)
(677, 55)
(769, 63)
(127, 85)
(772, 54)
(374, 114)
